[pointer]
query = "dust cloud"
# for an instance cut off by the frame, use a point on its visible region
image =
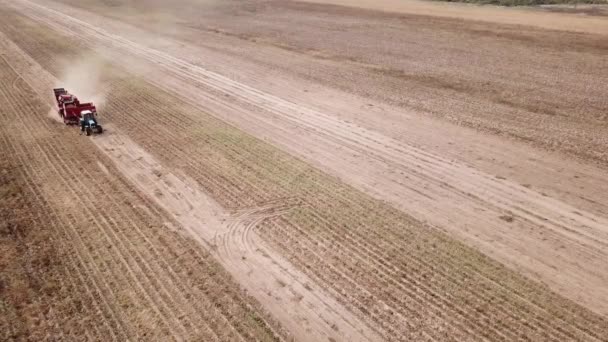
(83, 78)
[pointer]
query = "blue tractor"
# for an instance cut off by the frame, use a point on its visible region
(88, 123)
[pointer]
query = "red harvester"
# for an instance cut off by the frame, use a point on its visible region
(74, 112)
(69, 108)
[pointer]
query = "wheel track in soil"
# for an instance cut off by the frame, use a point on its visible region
(179, 295)
(243, 221)
(117, 239)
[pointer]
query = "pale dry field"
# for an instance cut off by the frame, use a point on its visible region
(278, 170)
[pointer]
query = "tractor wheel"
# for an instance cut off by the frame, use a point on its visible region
(88, 131)
(99, 129)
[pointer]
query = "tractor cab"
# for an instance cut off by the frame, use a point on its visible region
(87, 115)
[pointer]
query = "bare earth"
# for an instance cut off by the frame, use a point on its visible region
(526, 16)
(307, 171)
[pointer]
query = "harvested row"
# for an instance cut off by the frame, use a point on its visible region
(349, 242)
(138, 289)
(77, 272)
(31, 270)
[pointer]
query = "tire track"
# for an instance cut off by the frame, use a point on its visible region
(240, 236)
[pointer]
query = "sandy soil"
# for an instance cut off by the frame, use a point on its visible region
(494, 14)
(404, 146)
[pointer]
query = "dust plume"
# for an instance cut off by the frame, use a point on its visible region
(82, 77)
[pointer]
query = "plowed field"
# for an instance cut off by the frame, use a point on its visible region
(277, 170)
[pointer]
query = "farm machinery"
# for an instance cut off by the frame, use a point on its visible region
(72, 111)
(88, 123)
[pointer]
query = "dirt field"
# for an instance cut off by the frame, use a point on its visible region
(94, 260)
(277, 170)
